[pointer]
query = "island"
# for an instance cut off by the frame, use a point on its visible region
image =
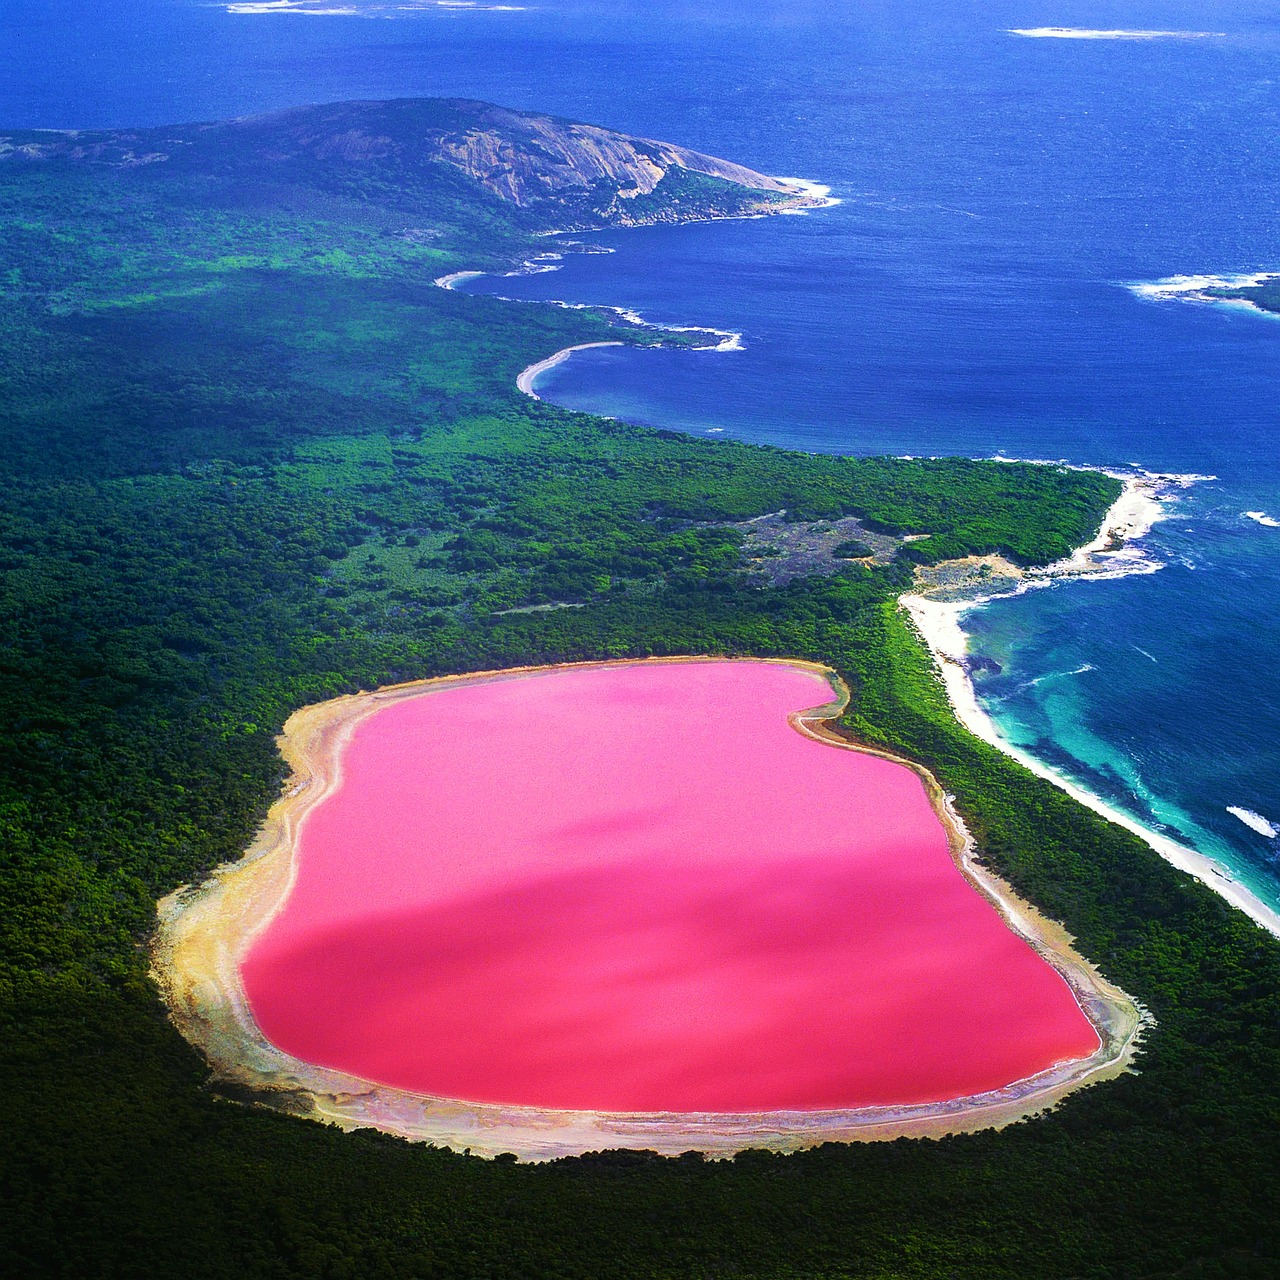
(255, 462)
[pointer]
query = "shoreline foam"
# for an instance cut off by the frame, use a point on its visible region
(527, 377)
(1198, 290)
(203, 934)
(455, 278)
(815, 190)
(938, 623)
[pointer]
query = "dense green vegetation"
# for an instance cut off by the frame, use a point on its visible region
(1265, 295)
(251, 459)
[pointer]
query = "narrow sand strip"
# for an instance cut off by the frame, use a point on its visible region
(204, 933)
(530, 375)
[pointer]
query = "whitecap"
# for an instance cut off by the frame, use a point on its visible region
(292, 6)
(1092, 33)
(320, 8)
(1255, 821)
(1081, 670)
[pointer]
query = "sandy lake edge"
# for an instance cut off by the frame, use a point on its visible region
(203, 933)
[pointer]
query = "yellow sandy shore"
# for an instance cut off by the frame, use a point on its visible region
(204, 932)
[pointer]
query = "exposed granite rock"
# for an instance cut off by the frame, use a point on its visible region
(781, 550)
(526, 158)
(973, 578)
(977, 664)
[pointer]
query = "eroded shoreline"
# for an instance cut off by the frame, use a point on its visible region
(807, 197)
(204, 933)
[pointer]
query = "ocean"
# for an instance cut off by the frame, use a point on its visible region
(975, 291)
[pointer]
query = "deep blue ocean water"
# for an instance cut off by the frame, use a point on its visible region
(966, 297)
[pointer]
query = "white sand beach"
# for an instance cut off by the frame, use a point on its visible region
(527, 377)
(939, 624)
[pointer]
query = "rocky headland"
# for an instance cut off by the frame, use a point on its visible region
(552, 172)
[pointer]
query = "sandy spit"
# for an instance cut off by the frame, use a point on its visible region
(530, 375)
(204, 932)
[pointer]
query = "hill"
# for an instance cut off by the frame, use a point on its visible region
(554, 173)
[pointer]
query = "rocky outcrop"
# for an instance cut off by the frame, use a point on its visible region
(527, 158)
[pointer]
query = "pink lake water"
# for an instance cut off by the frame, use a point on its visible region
(640, 888)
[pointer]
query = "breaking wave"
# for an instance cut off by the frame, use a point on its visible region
(1255, 821)
(1091, 33)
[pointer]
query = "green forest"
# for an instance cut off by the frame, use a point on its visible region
(251, 459)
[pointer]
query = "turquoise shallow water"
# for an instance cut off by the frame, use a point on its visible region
(968, 296)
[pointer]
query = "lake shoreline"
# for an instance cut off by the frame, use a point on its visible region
(204, 933)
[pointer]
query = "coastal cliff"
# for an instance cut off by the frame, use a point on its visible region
(549, 172)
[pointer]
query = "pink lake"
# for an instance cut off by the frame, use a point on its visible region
(640, 888)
